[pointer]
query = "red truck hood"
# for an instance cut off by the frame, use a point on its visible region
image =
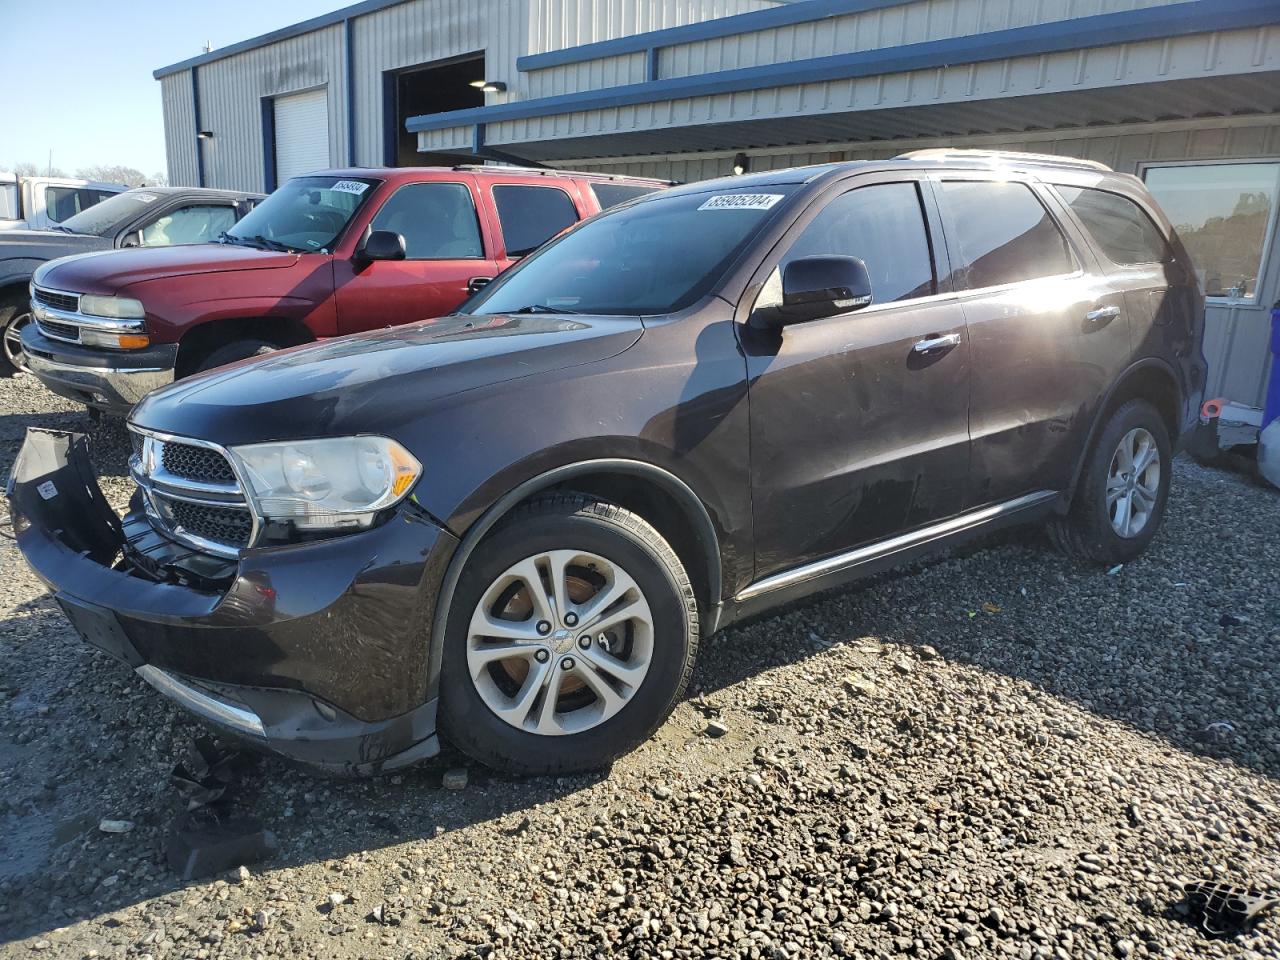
(112, 270)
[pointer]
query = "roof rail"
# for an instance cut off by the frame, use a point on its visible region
(1011, 156)
(554, 171)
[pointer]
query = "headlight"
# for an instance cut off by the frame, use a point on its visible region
(328, 484)
(117, 308)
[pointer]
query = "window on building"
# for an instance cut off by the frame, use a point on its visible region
(194, 224)
(530, 216)
(1118, 226)
(1004, 233)
(611, 194)
(882, 225)
(437, 221)
(1224, 213)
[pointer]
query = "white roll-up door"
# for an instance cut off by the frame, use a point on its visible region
(302, 134)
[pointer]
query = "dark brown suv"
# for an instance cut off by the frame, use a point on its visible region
(521, 519)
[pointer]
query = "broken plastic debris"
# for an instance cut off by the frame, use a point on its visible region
(201, 844)
(1116, 569)
(115, 826)
(207, 771)
(1221, 910)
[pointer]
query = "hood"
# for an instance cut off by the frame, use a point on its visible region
(375, 382)
(113, 270)
(47, 244)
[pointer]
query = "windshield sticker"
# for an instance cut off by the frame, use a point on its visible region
(145, 197)
(350, 186)
(741, 201)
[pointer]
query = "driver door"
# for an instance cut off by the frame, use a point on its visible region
(859, 429)
(445, 251)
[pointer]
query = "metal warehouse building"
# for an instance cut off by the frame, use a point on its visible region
(1185, 93)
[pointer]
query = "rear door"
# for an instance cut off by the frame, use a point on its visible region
(859, 428)
(445, 251)
(1046, 330)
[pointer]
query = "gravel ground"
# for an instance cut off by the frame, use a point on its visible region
(999, 753)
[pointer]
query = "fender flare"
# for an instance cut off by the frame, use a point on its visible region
(1096, 427)
(670, 484)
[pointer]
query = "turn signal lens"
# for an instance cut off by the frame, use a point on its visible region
(113, 341)
(134, 341)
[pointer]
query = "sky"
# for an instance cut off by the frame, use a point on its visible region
(79, 72)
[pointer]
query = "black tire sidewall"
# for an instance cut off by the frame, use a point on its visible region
(10, 310)
(233, 352)
(1094, 518)
(472, 726)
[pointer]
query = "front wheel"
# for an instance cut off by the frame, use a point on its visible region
(15, 313)
(234, 351)
(571, 638)
(1120, 503)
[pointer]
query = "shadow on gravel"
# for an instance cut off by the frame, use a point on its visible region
(1168, 645)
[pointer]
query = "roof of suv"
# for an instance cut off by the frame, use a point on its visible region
(533, 173)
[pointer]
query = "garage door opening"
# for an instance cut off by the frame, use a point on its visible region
(300, 125)
(435, 87)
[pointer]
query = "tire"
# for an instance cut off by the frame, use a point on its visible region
(1092, 530)
(600, 547)
(15, 313)
(236, 350)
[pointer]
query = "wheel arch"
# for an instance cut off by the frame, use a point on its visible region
(197, 342)
(1151, 379)
(656, 494)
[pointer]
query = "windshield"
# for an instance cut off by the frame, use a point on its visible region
(307, 214)
(105, 218)
(654, 256)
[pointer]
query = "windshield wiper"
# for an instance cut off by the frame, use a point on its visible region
(276, 245)
(541, 308)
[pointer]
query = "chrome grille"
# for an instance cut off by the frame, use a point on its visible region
(196, 463)
(191, 492)
(58, 301)
(59, 331)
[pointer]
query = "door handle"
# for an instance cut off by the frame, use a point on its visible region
(1102, 316)
(944, 342)
(475, 283)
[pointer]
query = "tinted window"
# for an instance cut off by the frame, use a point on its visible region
(1004, 233)
(530, 216)
(1118, 225)
(196, 224)
(437, 221)
(884, 227)
(656, 256)
(611, 194)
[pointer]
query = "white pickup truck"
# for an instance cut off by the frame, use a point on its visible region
(39, 203)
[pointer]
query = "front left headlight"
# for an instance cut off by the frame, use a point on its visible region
(331, 484)
(114, 308)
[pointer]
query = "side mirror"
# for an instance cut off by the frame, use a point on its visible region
(382, 245)
(817, 287)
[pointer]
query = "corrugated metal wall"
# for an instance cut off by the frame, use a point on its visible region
(1236, 336)
(179, 128)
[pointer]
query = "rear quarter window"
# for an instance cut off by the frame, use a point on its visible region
(1120, 228)
(611, 194)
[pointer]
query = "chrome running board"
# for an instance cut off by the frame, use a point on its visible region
(883, 548)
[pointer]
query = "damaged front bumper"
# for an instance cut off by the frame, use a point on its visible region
(317, 651)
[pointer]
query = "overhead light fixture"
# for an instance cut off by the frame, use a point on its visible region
(490, 86)
(741, 164)
(205, 135)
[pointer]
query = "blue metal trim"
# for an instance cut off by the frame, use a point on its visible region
(275, 36)
(349, 26)
(268, 144)
(195, 112)
(739, 23)
(1108, 29)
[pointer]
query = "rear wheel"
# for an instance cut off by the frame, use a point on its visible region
(15, 313)
(236, 350)
(1120, 503)
(571, 638)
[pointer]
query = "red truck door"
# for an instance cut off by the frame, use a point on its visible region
(445, 250)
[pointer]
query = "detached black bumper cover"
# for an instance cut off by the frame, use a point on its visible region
(318, 651)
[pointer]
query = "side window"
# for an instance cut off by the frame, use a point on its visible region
(437, 221)
(884, 226)
(1004, 233)
(62, 202)
(1118, 225)
(611, 194)
(195, 224)
(530, 216)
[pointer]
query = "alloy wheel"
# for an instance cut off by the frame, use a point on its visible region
(560, 642)
(1133, 482)
(13, 351)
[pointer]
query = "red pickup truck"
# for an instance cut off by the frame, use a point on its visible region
(327, 254)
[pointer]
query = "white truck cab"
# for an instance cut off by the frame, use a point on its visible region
(38, 203)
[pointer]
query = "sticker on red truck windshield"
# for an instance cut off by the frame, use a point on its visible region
(741, 201)
(350, 186)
